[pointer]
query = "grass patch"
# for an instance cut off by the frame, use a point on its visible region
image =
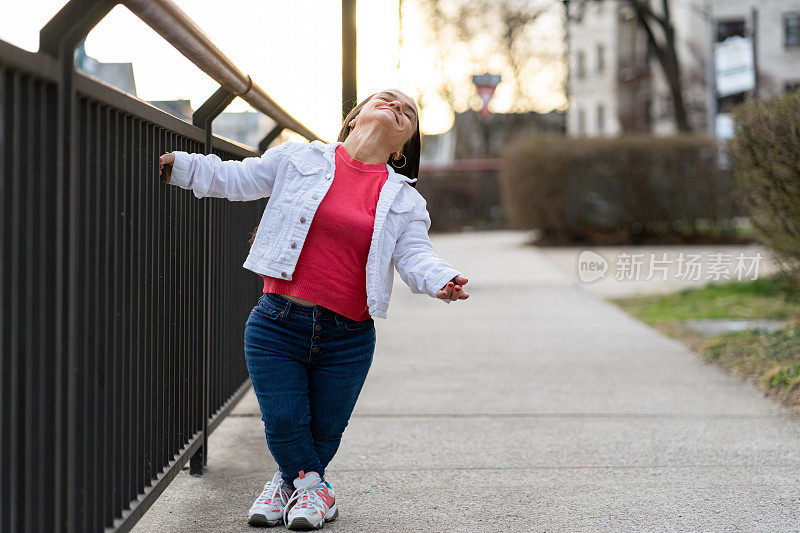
(773, 358)
(765, 298)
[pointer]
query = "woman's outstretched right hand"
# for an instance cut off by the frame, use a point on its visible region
(165, 165)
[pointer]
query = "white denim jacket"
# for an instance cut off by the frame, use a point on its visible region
(296, 176)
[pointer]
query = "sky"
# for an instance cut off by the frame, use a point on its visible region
(291, 49)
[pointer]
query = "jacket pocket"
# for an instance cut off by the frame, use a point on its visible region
(402, 206)
(298, 171)
(400, 213)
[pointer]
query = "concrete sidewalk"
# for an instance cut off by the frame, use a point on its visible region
(533, 406)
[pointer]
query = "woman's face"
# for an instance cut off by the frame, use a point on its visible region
(392, 111)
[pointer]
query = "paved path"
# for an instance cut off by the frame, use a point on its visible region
(533, 406)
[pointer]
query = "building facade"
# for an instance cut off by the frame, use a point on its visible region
(593, 33)
(616, 84)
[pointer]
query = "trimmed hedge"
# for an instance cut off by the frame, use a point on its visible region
(627, 190)
(766, 152)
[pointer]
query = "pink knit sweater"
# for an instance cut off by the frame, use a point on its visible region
(331, 268)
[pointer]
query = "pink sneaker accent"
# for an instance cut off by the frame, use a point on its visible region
(311, 504)
(269, 507)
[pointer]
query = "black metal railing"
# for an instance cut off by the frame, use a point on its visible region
(122, 300)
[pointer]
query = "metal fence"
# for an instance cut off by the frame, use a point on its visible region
(122, 299)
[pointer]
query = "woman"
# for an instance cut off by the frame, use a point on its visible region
(310, 339)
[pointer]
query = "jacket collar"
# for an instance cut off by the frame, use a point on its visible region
(329, 149)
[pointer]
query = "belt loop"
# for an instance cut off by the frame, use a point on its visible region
(286, 303)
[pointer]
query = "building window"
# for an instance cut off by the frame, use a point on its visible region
(601, 63)
(601, 119)
(791, 86)
(727, 103)
(580, 64)
(730, 28)
(581, 122)
(791, 31)
(580, 9)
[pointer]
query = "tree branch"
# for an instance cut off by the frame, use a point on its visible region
(667, 57)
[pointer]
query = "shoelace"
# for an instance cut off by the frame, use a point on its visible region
(314, 500)
(271, 492)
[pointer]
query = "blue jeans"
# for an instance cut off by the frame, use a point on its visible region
(307, 365)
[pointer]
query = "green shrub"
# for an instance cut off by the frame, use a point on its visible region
(626, 190)
(766, 153)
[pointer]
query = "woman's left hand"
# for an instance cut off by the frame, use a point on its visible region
(165, 163)
(454, 290)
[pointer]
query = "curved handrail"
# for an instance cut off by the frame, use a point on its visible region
(169, 21)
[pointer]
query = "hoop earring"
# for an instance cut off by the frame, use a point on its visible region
(395, 165)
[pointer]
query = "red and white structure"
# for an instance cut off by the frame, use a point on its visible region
(486, 84)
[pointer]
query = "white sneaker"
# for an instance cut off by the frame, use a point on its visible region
(268, 508)
(311, 504)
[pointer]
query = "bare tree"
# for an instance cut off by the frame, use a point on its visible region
(661, 36)
(494, 32)
(439, 22)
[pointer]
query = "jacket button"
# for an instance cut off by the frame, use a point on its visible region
(314, 196)
(327, 176)
(314, 349)
(302, 219)
(284, 275)
(318, 328)
(294, 245)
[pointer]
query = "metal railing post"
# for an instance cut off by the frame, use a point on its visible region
(349, 48)
(263, 145)
(211, 109)
(59, 38)
(204, 118)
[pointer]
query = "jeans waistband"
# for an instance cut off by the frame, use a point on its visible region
(288, 307)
